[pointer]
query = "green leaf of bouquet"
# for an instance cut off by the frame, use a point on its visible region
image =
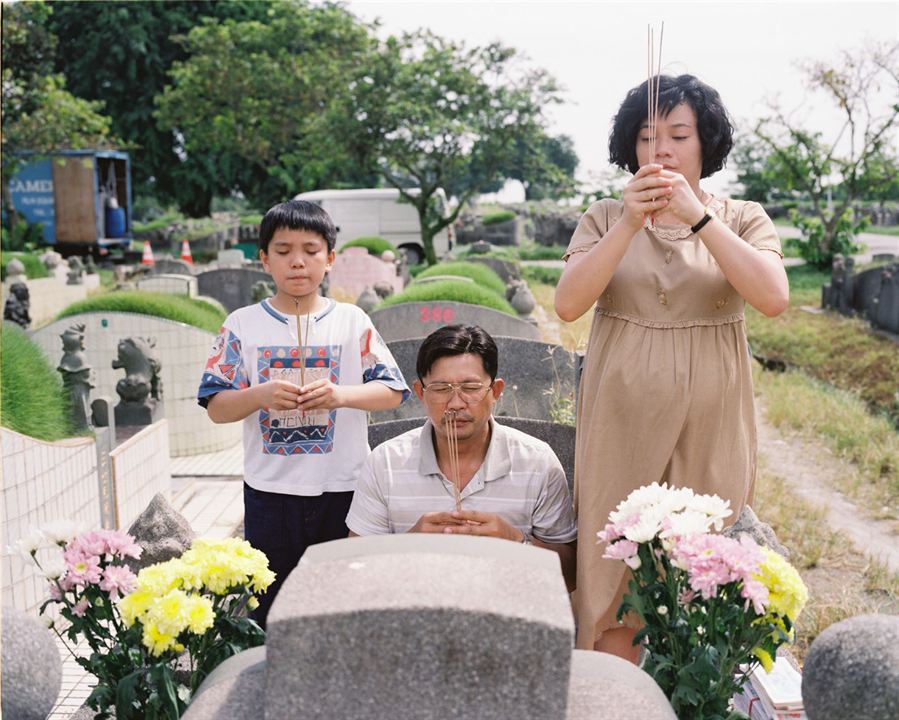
(125, 692)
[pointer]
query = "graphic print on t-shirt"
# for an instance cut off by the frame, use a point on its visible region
(298, 432)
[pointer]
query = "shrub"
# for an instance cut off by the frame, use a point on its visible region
(453, 291)
(23, 236)
(538, 274)
(480, 273)
(34, 268)
(542, 252)
(158, 223)
(251, 219)
(32, 399)
(191, 311)
(810, 244)
(497, 217)
(375, 245)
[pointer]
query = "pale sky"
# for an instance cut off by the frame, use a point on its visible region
(597, 51)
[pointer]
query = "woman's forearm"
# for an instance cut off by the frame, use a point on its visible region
(758, 275)
(587, 274)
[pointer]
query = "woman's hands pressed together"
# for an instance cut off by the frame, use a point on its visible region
(648, 192)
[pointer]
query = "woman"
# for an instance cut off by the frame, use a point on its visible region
(666, 392)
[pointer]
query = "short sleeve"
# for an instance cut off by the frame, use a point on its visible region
(368, 510)
(757, 228)
(590, 228)
(553, 520)
(225, 369)
(378, 364)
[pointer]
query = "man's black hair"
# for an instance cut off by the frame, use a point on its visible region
(457, 340)
(297, 215)
(716, 131)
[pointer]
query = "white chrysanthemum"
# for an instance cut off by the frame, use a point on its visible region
(60, 532)
(688, 522)
(54, 567)
(713, 506)
(648, 526)
(639, 500)
(28, 545)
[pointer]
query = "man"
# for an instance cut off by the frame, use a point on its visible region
(512, 485)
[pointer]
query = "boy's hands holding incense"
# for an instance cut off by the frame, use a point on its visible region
(320, 395)
(484, 524)
(277, 395)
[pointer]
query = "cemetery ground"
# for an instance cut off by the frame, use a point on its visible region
(828, 480)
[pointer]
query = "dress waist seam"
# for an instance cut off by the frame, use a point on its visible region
(671, 324)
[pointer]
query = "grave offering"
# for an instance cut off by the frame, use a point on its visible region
(31, 668)
(420, 319)
(141, 388)
(18, 305)
(77, 376)
(852, 670)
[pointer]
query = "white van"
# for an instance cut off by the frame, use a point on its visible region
(379, 212)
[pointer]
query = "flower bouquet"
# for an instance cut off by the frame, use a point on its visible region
(711, 607)
(139, 627)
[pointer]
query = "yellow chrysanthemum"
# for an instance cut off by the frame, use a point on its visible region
(161, 577)
(765, 657)
(252, 603)
(156, 641)
(135, 604)
(200, 615)
(170, 612)
(787, 593)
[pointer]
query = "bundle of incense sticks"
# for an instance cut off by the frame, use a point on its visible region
(453, 442)
(302, 343)
(652, 85)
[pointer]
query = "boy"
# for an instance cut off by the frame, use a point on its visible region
(301, 371)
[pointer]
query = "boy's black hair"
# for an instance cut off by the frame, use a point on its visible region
(297, 215)
(457, 340)
(716, 131)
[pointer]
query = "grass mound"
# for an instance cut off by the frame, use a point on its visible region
(497, 217)
(450, 290)
(480, 273)
(34, 268)
(840, 351)
(32, 400)
(191, 311)
(375, 245)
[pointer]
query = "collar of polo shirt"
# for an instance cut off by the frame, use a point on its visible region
(497, 463)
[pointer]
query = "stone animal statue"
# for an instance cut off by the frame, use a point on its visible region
(76, 271)
(18, 305)
(77, 375)
(142, 367)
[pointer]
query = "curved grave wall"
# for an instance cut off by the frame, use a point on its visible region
(182, 351)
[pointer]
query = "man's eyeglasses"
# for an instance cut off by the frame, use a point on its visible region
(470, 392)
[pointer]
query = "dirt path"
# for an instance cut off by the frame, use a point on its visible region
(809, 469)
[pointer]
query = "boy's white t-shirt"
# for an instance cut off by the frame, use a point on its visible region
(294, 452)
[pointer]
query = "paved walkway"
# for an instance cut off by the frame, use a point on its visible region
(208, 491)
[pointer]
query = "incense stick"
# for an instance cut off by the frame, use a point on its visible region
(301, 343)
(653, 80)
(453, 446)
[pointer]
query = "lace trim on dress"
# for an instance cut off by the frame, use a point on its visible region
(673, 233)
(668, 324)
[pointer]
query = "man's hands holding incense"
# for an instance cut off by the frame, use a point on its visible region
(471, 522)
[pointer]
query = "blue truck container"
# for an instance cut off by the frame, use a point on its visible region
(81, 197)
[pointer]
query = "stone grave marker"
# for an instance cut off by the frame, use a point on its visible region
(172, 266)
(355, 269)
(230, 258)
(169, 283)
(420, 319)
(540, 380)
(232, 287)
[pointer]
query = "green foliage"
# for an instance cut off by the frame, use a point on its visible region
(172, 216)
(23, 236)
(482, 275)
(375, 245)
(31, 392)
(255, 97)
(254, 219)
(121, 53)
(840, 351)
(191, 311)
(450, 290)
(34, 268)
(498, 217)
(541, 252)
(816, 248)
(436, 114)
(544, 275)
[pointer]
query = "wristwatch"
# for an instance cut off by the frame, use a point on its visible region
(706, 217)
(526, 539)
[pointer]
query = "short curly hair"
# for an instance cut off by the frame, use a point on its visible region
(716, 131)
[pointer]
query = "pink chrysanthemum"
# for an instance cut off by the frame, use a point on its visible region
(117, 580)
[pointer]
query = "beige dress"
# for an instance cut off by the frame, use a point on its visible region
(666, 391)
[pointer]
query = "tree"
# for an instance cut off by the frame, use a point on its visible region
(441, 115)
(39, 114)
(120, 53)
(855, 85)
(256, 96)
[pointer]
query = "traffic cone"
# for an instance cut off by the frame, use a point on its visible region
(185, 252)
(147, 257)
